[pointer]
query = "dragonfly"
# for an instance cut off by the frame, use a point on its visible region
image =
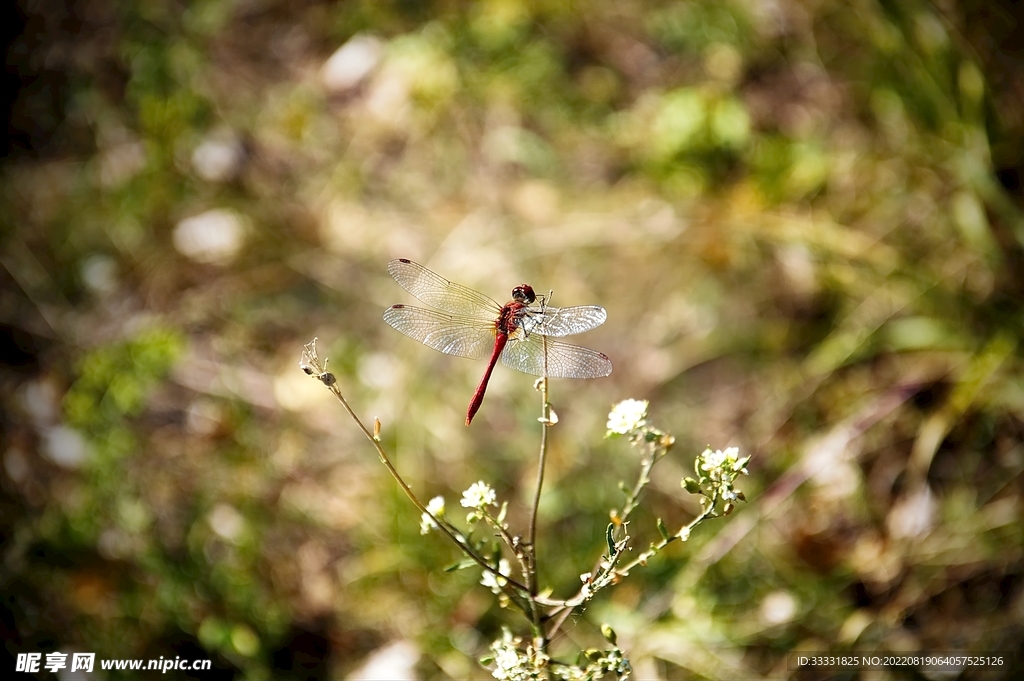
(465, 323)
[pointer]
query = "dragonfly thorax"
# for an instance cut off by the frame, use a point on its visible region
(524, 294)
(509, 318)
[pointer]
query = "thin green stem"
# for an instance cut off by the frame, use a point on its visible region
(539, 637)
(708, 512)
(655, 451)
(633, 500)
(545, 420)
(314, 362)
(521, 555)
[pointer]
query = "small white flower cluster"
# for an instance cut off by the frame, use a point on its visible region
(720, 464)
(436, 507)
(478, 496)
(626, 417)
(717, 471)
(616, 663)
(510, 664)
(603, 664)
(493, 582)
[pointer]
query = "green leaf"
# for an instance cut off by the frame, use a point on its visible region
(609, 535)
(663, 531)
(691, 485)
(461, 565)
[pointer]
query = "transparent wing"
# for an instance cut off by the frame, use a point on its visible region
(450, 334)
(563, 321)
(438, 292)
(538, 355)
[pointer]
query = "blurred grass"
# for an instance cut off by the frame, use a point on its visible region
(804, 221)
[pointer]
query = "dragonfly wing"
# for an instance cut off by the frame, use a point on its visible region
(450, 334)
(563, 321)
(538, 355)
(438, 292)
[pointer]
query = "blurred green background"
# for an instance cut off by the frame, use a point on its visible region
(803, 217)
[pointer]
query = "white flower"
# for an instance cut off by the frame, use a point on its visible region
(509, 663)
(618, 664)
(495, 583)
(627, 416)
(506, 663)
(714, 460)
(587, 590)
(478, 496)
(436, 507)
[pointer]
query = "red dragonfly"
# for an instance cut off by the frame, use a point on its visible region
(465, 323)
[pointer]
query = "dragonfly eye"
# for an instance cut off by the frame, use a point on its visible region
(524, 294)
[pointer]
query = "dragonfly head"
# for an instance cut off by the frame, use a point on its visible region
(524, 294)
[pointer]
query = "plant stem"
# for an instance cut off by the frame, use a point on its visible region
(539, 637)
(642, 480)
(314, 362)
(541, 464)
(642, 558)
